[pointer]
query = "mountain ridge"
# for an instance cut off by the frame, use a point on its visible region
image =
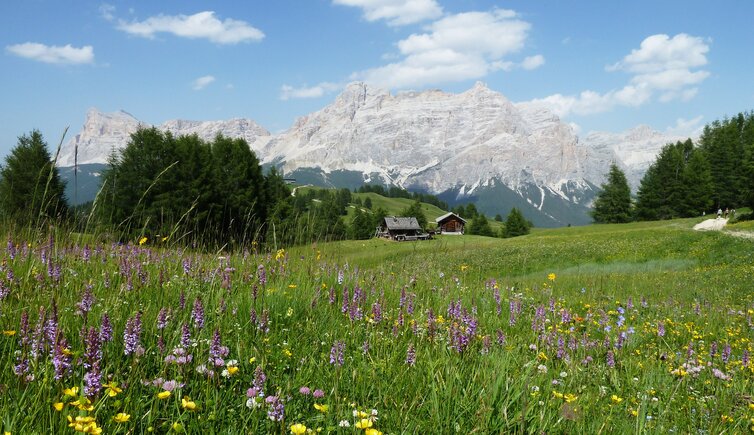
(459, 144)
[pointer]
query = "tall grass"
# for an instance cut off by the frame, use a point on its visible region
(618, 339)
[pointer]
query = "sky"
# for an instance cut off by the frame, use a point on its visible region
(599, 65)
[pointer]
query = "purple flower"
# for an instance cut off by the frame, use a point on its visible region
(610, 359)
(259, 379)
(185, 336)
(105, 329)
(304, 390)
(661, 329)
(197, 314)
(131, 335)
(262, 275)
(725, 355)
(376, 312)
(60, 361)
(337, 353)
(162, 318)
(92, 358)
(318, 394)
(411, 355)
(276, 410)
(182, 300)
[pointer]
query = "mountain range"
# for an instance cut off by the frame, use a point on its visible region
(475, 146)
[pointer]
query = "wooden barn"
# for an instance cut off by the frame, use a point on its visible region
(450, 223)
(401, 228)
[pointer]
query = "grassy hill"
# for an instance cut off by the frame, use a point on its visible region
(631, 328)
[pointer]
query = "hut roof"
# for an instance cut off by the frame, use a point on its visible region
(448, 215)
(402, 223)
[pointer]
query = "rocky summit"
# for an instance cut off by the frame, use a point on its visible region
(475, 146)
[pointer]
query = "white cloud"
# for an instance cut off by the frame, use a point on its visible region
(66, 54)
(687, 127)
(202, 82)
(200, 25)
(396, 12)
(288, 92)
(662, 67)
(457, 47)
(533, 62)
(107, 11)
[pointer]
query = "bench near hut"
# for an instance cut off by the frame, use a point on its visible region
(401, 228)
(450, 223)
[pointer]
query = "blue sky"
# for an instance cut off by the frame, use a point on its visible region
(600, 65)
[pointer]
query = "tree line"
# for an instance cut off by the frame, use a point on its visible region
(687, 179)
(183, 189)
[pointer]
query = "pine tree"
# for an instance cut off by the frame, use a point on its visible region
(613, 202)
(515, 224)
(30, 186)
(481, 227)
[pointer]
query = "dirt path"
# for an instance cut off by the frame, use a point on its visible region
(711, 225)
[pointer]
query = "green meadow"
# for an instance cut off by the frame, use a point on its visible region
(630, 328)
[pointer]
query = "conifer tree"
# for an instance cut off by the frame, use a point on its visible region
(613, 202)
(30, 186)
(516, 224)
(415, 210)
(480, 226)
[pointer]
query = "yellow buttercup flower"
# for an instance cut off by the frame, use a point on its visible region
(73, 391)
(615, 399)
(58, 406)
(163, 394)
(232, 370)
(372, 431)
(121, 417)
(111, 388)
(320, 408)
(364, 423)
(551, 276)
(570, 397)
(298, 429)
(143, 240)
(186, 403)
(9, 332)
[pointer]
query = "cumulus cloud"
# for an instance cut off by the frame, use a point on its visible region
(202, 82)
(288, 92)
(66, 54)
(200, 25)
(533, 62)
(396, 12)
(457, 47)
(662, 67)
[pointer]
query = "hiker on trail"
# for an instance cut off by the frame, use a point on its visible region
(719, 213)
(726, 212)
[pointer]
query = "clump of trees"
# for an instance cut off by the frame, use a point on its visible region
(516, 224)
(173, 187)
(30, 187)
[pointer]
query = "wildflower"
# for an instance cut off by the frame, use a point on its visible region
(336, 353)
(615, 399)
(143, 240)
(411, 355)
(163, 394)
(542, 368)
(276, 412)
(298, 429)
(111, 388)
(121, 417)
(570, 397)
(58, 406)
(305, 391)
(551, 276)
(372, 431)
(71, 392)
(105, 329)
(186, 403)
(320, 408)
(364, 423)
(318, 394)
(344, 423)
(9, 332)
(177, 427)
(197, 313)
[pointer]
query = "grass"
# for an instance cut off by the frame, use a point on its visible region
(572, 330)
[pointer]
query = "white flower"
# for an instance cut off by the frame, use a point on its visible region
(533, 347)
(252, 403)
(542, 368)
(225, 373)
(344, 423)
(563, 374)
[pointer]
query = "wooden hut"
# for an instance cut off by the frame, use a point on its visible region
(401, 228)
(450, 223)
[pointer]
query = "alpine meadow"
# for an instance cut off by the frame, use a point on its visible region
(493, 217)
